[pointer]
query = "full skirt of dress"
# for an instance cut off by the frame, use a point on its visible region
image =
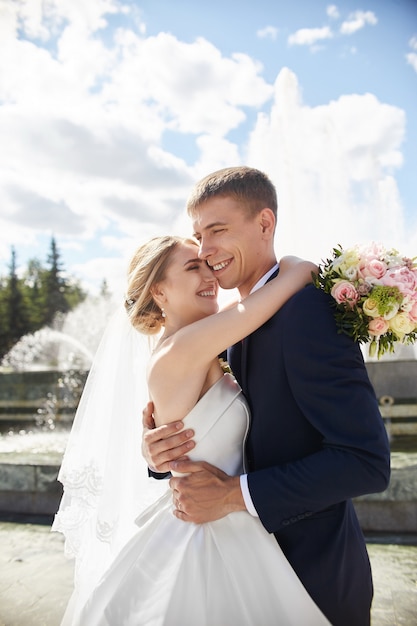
(230, 572)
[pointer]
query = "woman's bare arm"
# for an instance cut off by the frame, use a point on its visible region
(197, 344)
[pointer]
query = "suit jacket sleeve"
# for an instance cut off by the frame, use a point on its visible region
(328, 388)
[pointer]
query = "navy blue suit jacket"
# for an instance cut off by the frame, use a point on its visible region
(316, 440)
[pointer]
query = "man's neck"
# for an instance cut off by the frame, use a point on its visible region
(262, 280)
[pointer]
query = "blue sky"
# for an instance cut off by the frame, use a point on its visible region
(111, 110)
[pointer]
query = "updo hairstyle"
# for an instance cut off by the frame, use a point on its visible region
(147, 268)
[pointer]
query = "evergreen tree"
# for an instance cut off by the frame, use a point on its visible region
(4, 318)
(55, 286)
(15, 313)
(35, 300)
(34, 280)
(74, 293)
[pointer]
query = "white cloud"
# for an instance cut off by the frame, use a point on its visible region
(412, 60)
(84, 119)
(333, 166)
(358, 20)
(269, 32)
(332, 11)
(309, 36)
(43, 19)
(412, 56)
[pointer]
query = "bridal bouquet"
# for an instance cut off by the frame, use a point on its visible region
(375, 294)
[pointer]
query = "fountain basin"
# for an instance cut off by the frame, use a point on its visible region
(28, 484)
(29, 488)
(27, 396)
(395, 509)
(29, 463)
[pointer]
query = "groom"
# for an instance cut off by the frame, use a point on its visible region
(316, 438)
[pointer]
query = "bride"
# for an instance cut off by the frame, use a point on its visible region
(170, 572)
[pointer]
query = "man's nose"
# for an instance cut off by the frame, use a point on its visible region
(205, 250)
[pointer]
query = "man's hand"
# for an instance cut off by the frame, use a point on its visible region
(164, 444)
(205, 494)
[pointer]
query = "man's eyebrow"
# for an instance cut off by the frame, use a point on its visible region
(209, 226)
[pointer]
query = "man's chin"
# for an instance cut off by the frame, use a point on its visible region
(226, 284)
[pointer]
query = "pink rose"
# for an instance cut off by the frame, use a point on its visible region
(345, 293)
(373, 269)
(378, 326)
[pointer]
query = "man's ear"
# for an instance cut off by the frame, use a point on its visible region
(267, 222)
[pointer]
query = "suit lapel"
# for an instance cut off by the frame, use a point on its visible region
(234, 356)
(244, 362)
(237, 356)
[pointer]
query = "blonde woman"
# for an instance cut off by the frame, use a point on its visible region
(230, 571)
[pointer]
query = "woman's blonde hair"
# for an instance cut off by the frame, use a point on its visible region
(146, 269)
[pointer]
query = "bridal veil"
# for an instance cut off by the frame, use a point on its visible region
(103, 473)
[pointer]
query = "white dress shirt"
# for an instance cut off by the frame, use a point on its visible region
(244, 478)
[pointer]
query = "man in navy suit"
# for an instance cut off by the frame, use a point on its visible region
(316, 438)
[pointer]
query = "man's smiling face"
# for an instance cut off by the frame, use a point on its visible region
(232, 242)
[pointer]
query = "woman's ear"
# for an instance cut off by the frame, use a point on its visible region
(158, 295)
(267, 222)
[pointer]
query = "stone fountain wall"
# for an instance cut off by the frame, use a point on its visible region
(395, 510)
(395, 384)
(31, 487)
(26, 396)
(42, 399)
(397, 379)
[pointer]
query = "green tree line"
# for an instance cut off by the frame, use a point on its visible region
(32, 300)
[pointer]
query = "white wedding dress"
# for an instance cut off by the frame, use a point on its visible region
(230, 572)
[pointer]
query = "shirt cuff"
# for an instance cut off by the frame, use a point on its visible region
(246, 495)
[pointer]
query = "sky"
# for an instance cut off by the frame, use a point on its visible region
(110, 111)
